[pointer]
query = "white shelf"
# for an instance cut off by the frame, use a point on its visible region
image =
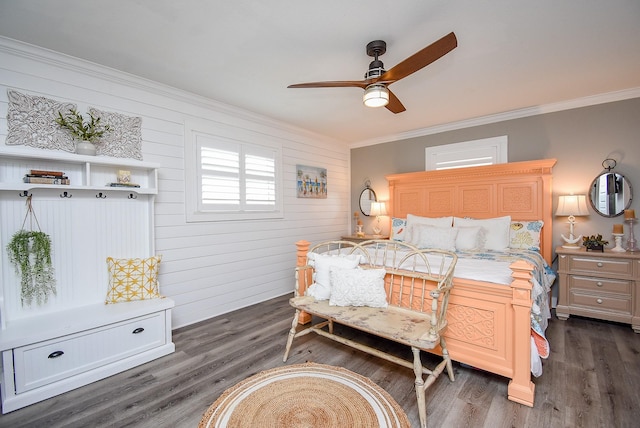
(85, 172)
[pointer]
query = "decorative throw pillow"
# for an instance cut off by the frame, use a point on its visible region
(31, 121)
(413, 220)
(525, 235)
(322, 263)
(398, 227)
(496, 230)
(443, 238)
(133, 279)
(358, 287)
(470, 238)
(124, 139)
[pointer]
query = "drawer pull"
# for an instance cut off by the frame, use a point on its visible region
(599, 284)
(138, 330)
(56, 354)
(599, 264)
(599, 301)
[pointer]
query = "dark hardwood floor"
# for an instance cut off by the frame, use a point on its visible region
(591, 379)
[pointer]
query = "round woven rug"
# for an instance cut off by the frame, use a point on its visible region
(305, 396)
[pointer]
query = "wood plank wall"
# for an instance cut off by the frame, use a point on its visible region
(208, 268)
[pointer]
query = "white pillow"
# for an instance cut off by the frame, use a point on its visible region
(413, 220)
(322, 263)
(496, 230)
(470, 238)
(358, 287)
(443, 238)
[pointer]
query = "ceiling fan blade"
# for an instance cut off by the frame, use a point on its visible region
(421, 58)
(335, 84)
(394, 105)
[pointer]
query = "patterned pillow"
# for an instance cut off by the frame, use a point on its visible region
(133, 279)
(496, 230)
(322, 263)
(358, 287)
(398, 227)
(443, 238)
(525, 235)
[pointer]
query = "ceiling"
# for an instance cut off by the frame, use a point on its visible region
(511, 54)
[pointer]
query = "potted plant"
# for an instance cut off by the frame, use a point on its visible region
(30, 252)
(87, 131)
(594, 242)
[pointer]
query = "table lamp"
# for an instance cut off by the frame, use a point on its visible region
(572, 206)
(378, 209)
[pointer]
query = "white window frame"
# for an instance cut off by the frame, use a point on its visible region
(199, 134)
(485, 151)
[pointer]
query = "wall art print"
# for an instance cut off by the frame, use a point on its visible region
(31, 122)
(124, 140)
(311, 182)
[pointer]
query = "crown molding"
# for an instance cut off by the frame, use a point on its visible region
(67, 62)
(509, 115)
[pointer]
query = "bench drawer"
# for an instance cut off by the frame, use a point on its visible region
(47, 362)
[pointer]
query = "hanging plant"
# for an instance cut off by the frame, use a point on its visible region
(30, 253)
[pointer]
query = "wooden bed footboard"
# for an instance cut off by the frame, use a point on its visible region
(489, 325)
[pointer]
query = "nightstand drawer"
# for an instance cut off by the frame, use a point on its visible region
(600, 284)
(600, 265)
(603, 303)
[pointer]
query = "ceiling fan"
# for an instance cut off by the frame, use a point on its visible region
(377, 79)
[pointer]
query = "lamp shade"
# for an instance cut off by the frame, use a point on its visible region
(378, 208)
(575, 205)
(376, 96)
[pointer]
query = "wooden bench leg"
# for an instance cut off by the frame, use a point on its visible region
(447, 358)
(292, 334)
(422, 403)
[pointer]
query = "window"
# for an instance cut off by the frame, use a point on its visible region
(487, 151)
(232, 180)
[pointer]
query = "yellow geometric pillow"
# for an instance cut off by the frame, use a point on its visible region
(133, 279)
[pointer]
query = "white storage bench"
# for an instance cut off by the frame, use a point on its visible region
(43, 356)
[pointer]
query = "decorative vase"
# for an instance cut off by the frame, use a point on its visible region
(86, 148)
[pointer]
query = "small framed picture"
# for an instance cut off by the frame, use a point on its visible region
(124, 177)
(311, 182)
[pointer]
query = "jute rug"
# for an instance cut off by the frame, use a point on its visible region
(305, 396)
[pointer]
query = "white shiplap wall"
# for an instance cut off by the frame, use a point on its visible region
(208, 268)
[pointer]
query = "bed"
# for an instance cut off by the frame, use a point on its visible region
(490, 324)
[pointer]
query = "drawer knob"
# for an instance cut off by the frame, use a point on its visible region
(599, 283)
(56, 354)
(138, 330)
(599, 301)
(599, 264)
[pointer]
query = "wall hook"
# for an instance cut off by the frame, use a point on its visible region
(65, 195)
(24, 194)
(132, 196)
(101, 195)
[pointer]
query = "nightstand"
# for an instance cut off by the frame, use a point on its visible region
(601, 285)
(355, 238)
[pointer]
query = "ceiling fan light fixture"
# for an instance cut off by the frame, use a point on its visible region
(376, 96)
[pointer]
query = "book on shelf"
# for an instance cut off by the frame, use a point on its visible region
(45, 173)
(46, 180)
(122, 185)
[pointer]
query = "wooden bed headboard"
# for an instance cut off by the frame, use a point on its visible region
(519, 189)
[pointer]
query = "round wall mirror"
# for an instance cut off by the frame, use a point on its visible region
(366, 197)
(610, 194)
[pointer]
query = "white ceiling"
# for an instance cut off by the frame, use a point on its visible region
(511, 54)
